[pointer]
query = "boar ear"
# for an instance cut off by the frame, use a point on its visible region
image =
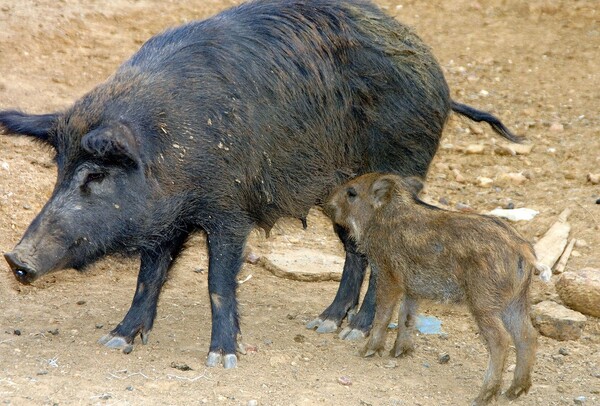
(115, 143)
(32, 125)
(414, 185)
(382, 190)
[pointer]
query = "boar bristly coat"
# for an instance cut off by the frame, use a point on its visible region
(226, 124)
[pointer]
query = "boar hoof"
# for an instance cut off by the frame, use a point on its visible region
(328, 326)
(369, 352)
(515, 391)
(315, 323)
(352, 334)
(119, 343)
(214, 358)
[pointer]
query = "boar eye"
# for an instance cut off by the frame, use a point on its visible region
(351, 193)
(93, 177)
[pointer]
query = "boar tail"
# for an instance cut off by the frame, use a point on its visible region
(494, 122)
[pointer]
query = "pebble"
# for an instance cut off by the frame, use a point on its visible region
(593, 178)
(181, 366)
(474, 149)
(511, 368)
(99, 326)
(581, 243)
(4, 165)
(463, 207)
(53, 332)
(579, 400)
(345, 381)
(390, 364)
(557, 127)
(598, 201)
(444, 201)
(17, 332)
(563, 351)
(482, 181)
(515, 178)
(443, 358)
(458, 176)
(514, 149)
(253, 402)
(252, 257)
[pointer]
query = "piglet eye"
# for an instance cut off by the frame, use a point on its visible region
(351, 193)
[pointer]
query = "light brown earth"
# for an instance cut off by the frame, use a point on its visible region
(535, 64)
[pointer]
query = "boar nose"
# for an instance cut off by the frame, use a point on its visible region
(23, 273)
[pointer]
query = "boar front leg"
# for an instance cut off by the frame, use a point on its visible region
(154, 266)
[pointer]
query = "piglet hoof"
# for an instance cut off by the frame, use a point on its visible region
(215, 358)
(402, 350)
(116, 342)
(369, 352)
(351, 334)
(515, 391)
(314, 323)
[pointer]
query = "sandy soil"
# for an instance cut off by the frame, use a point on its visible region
(535, 64)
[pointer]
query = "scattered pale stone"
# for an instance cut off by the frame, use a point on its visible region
(4, 165)
(458, 176)
(511, 178)
(345, 381)
(252, 257)
(511, 368)
(472, 149)
(557, 322)
(557, 127)
(521, 214)
(475, 129)
(514, 149)
(484, 93)
(581, 243)
(304, 265)
(580, 290)
(593, 178)
(551, 150)
(482, 181)
(442, 166)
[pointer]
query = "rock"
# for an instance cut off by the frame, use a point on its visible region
(580, 290)
(458, 176)
(482, 181)
(443, 358)
(511, 178)
(557, 127)
(345, 381)
(579, 400)
(513, 149)
(252, 257)
(593, 178)
(563, 351)
(253, 402)
(557, 322)
(474, 149)
(304, 265)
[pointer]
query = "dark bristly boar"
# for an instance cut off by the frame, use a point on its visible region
(227, 124)
(423, 252)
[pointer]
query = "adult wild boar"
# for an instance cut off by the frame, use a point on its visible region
(226, 124)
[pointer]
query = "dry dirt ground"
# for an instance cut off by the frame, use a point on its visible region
(535, 64)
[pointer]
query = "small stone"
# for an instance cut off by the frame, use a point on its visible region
(483, 181)
(579, 400)
(593, 178)
(513, 149)
(344, 380)
(443, 358)
(463, 207)
(444, 201)
(556, 127)
(42, 372)
(514, 178)
(511, 368)
(252, 258)
(475, 129)
(53, 332)
(580, 243)
(5, 165)
(474, 149)
(17, 332)
(390, 364)
(458, 176)
(598, 201)
(557, 322)
(563, 351)
(129, 388)
(99, 326)
(484, 93)
(81, 302)
(252, 402)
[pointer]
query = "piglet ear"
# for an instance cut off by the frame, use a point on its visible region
(414, 185)
(115, 143)
(37, 126)
(382, 190)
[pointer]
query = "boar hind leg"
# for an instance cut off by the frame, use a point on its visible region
(406, 324)
(517, 322)
(496, 339)
(346, 299)
(154, 266)
(225, 253)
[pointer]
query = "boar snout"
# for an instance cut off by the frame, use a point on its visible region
(24, 273)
